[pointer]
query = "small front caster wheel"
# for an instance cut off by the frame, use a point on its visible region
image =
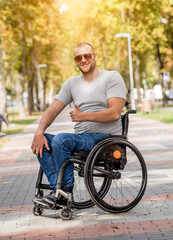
(37, 211)
(66, 213)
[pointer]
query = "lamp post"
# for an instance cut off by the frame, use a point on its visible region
(130, 66)
(40, 85)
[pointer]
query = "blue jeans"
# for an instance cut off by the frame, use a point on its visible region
(62, 147)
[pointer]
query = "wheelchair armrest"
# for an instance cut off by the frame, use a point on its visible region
(125, 121)
(131, 111)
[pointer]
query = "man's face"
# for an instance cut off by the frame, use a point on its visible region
(86, 63)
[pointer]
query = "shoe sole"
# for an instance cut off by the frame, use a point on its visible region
(52, 202)
(49, 201)
(40, 203)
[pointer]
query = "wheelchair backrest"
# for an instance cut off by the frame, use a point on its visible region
(125, 121)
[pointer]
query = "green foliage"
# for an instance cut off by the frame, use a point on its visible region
(19, 125)
(23, 121)
(46, 31)
(158, 115)
(13, 131)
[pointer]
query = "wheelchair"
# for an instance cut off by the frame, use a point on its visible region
(113, 172)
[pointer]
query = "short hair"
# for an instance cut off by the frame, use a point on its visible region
(84, 43)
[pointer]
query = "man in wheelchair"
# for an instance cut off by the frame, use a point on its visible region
(98, 97)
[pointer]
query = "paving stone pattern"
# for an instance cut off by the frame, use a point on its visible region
(151, 219)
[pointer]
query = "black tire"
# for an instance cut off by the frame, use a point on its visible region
(127, 185)
(66, 213)
(37, 211)
(81, 198)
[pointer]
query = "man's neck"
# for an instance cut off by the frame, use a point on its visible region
(90, 76)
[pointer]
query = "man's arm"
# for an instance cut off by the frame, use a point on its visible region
(111, 114)
(48, 117)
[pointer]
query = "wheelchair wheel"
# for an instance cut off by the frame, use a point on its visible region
(37, 211)
(126, 169)
(66, 213)
(80, 196)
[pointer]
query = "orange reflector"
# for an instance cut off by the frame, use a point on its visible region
(117, 154)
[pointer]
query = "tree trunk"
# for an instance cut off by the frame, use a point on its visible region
(3, 94)
(30, 96)
(45, 85)
(40, 88)
(10, 81)
(137, 78)
(23, 59)
(19, 91)
(21, 77)
(160, 64)
(31, 85)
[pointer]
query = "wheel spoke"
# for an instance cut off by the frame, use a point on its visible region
(128, 184)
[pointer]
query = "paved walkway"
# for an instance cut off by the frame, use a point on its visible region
(151, 219)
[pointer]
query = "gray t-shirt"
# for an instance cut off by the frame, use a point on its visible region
(92, 97)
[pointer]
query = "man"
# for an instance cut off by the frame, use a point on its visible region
(2, 119)
(98, 97)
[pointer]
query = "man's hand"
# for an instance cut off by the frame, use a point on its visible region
(47, 119)
(77, 115)
(110, 114)
(37, 145)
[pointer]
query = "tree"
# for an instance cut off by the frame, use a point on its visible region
(46, 31)
(3, 101)
(32, 26)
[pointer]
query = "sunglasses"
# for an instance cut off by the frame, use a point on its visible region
(87, 56)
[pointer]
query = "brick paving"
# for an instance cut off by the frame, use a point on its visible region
(151, 219)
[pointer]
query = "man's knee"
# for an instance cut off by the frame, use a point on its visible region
(62, 139)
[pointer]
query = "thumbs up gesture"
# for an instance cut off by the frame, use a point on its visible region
(76, 115)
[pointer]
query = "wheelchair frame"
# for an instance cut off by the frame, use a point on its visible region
(100, 169)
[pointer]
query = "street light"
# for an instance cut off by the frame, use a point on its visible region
(40, 85)
(130, 66)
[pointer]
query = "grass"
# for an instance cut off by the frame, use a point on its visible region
(13, 131)
(23, 121)
(161, 115)
(18, 125)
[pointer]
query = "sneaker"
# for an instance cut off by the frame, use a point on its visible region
(40, 201)
(2, 134)
(51, 199)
